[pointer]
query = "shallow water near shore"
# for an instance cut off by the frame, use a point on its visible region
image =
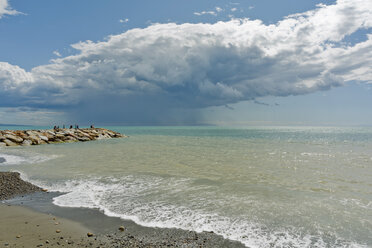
(278, 186)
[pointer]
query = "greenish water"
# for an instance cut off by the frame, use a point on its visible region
(272, 186)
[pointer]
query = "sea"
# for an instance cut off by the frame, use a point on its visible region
(262, 186)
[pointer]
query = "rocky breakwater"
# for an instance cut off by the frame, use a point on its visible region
(50, 136)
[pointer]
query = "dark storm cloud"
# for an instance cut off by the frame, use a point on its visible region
(165, 67)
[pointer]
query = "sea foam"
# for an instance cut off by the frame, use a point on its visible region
(130, 198)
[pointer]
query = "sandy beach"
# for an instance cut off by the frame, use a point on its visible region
(31, 220)
(22, 227)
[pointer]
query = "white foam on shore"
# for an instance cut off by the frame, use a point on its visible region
(23, 158)
(12, 159)
(132, 198)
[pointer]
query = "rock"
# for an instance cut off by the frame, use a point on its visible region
(84, 138)
(2, 160)
(26, 142)
(58, 231)
(60, 136)
(89, 234)
(13, 138)
(18, 236)
(47, 241)
(38, 137)
(71, 139)
(44, 190)
(10, 143)
(121, 228)
(11, 184)
(35, 140)
(43, 138)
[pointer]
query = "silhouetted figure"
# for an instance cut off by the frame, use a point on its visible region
(77, 126)
(70, 126)
(91, 126)
(64, 126)
(55, 127)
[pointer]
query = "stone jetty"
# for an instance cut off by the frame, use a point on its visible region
(50, 136)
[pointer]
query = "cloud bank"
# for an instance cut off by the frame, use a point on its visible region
(191, 66)
(5, 9)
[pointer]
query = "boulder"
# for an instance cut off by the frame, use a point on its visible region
(51, 132)
(103, 136)
(10, 143)
(13, 138)
(71, 139)
(26, 142)
(48, 135)
(60, 136)
(35, 140)
(43, 138)
(31, 133)
(2, 144)
(83, 138)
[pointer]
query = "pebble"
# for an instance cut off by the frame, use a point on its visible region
(58, 231)
(11, 184)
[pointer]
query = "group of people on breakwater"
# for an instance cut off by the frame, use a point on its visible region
(71, 127)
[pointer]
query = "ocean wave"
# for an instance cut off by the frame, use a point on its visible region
(132, 198)
(21, 157)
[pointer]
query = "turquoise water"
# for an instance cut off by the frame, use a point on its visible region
(265, 187)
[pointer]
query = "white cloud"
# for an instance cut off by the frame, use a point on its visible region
(234, 9)
(168, 66)
(218, 9)
(205, 13)
(5, 9)
(124, 20)
(57, 53)
(211, 12)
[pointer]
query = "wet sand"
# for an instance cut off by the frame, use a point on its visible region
(22, 227)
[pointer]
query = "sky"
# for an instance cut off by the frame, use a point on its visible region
(186, 62)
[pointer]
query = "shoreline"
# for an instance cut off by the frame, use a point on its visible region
(106, 231)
